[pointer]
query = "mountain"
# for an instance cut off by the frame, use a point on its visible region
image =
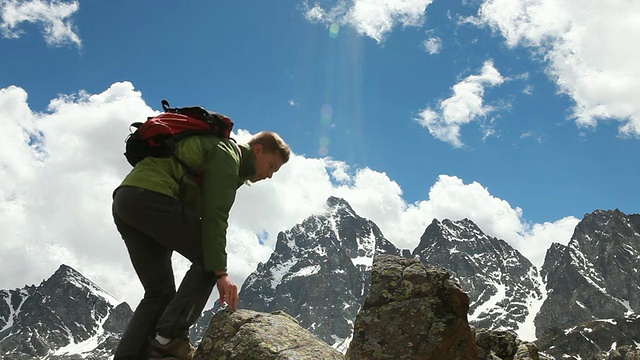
(63, 317)
(319, 272)
(593, 286)
(585, 299)
(505, 290)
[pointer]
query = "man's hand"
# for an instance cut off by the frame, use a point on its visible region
(228, 291)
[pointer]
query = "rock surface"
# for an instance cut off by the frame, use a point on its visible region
(494, 344)
(247, 334)
(412, 312)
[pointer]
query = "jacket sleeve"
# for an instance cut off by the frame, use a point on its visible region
(221, 167)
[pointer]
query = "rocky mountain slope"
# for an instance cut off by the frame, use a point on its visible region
(63, 317)
(319, 272)
(593, 287)
(504, 288)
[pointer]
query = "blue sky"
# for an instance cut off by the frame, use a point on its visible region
(521, 115)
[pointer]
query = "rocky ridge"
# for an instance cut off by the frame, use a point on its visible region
(590, 308)
(66, 316)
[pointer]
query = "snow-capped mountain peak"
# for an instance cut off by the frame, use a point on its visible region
(66, 314)
(66, 274)
(504, 288)
(327, 256)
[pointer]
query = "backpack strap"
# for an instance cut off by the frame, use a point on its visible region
(165, 106)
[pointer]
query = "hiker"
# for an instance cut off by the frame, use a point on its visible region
(162, 206)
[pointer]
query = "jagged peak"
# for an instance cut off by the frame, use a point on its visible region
(337, 202)
(555, 246)
(605, 214)
(335, 205)
(551, 257)
(601, 221)
(67, 274)
(66, 270)
(460, 230)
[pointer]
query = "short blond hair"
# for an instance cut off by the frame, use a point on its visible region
(271, 142)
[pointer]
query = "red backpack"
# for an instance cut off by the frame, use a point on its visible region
(159, 134)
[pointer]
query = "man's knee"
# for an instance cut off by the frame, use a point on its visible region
(160, 298)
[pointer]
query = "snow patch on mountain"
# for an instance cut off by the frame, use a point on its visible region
(527, 329)
(87, 345)
(280, 271)
(14, 311)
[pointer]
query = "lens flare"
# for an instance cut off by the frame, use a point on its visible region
(326, 110)
(333, 30)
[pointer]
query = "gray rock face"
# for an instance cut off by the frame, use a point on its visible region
(66, 309)
(593, 339)
(625, 353)
(319, 272)
(594, 277)
(495, 344)
(412, 313)
(249, 335)
(502, 284)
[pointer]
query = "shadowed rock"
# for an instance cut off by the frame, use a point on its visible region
(412, 312)
(626, 352)
(495, 344)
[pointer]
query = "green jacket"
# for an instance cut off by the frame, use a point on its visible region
(225, 165)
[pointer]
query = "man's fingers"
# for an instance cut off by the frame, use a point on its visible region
(228, 292)
(233, 301)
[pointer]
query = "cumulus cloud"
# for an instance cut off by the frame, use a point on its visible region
(539, 237)
(59, 168)
(590, 47)
(466, 105)
(373, 18)
(53, 16)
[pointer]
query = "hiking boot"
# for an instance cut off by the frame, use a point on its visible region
(177, 349)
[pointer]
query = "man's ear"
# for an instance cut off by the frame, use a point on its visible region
(257, 148)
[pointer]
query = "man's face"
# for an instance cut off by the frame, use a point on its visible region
(266, 164)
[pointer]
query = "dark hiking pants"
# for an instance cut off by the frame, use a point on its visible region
(152, 226)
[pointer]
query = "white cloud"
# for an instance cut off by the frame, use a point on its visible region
(539, 237)
(591, 47)
(53, 16)
(373, 18)
(536, 136)
(463, 107)
(57, 208)
(433, 45)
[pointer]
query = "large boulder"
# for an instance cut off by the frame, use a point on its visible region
(412, 312)
(250, 335)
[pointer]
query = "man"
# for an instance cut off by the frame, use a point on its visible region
(181, 203)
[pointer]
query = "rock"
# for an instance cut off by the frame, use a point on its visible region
(503, 345)
(412, 312)
(249, 335)
(627, 352)
(496, 344)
